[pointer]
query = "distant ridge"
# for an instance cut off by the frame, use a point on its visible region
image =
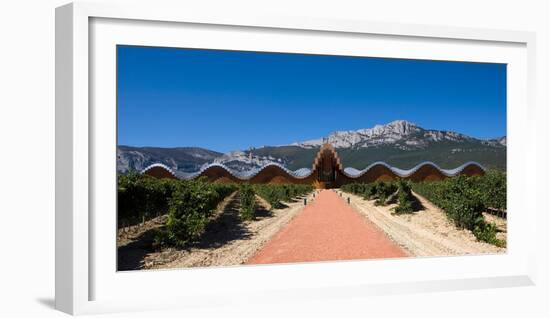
(399, 143)
(179, 159)
(401, 133)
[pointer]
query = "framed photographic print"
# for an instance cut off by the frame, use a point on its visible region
(204, 158)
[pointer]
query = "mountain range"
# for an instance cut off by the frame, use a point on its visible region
(399, 143)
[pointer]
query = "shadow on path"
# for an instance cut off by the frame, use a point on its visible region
(131, 255)
(227, 227)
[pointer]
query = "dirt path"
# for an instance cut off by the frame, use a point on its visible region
(327, 229)
(424, 233)
(228, 240)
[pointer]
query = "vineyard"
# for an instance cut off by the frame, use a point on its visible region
(141, 198)
(385, 193)
(190, 204)
(275, 194)
(464, 199)
(191, 215)
(248, 201)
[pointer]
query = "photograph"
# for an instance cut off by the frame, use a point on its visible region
(238, 158)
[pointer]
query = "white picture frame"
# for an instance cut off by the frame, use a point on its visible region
(85, 33)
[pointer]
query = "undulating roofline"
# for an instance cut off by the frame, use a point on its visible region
(402, 173)
(306, 172)
(326, 172)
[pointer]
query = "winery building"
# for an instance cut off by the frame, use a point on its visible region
(326, 172)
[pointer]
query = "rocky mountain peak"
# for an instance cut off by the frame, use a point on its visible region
(379, 134)
(394, 128)
(399, 137)
(402, 127)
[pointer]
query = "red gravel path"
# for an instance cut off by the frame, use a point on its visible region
(327, 229)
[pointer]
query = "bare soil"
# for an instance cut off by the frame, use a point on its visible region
(427, 232)
(228, 239)
(135, 242)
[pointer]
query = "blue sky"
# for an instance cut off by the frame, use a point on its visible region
(227, 100)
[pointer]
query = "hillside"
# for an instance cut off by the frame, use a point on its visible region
(399, 143)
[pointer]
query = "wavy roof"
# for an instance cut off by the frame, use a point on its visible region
(325, 151)
(354, 173)
(160, 165)
(243, 175)
(306, 172)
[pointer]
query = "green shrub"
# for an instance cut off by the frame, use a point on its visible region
(464, 199)
(493, 187)
(487, 232)
(189, 204)
(190, 209)
(365, 190)
(406, 201)
(141, 197)
(458, 197)
(275, 194)
(248, 201)
(383, 190)
(271, 194)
